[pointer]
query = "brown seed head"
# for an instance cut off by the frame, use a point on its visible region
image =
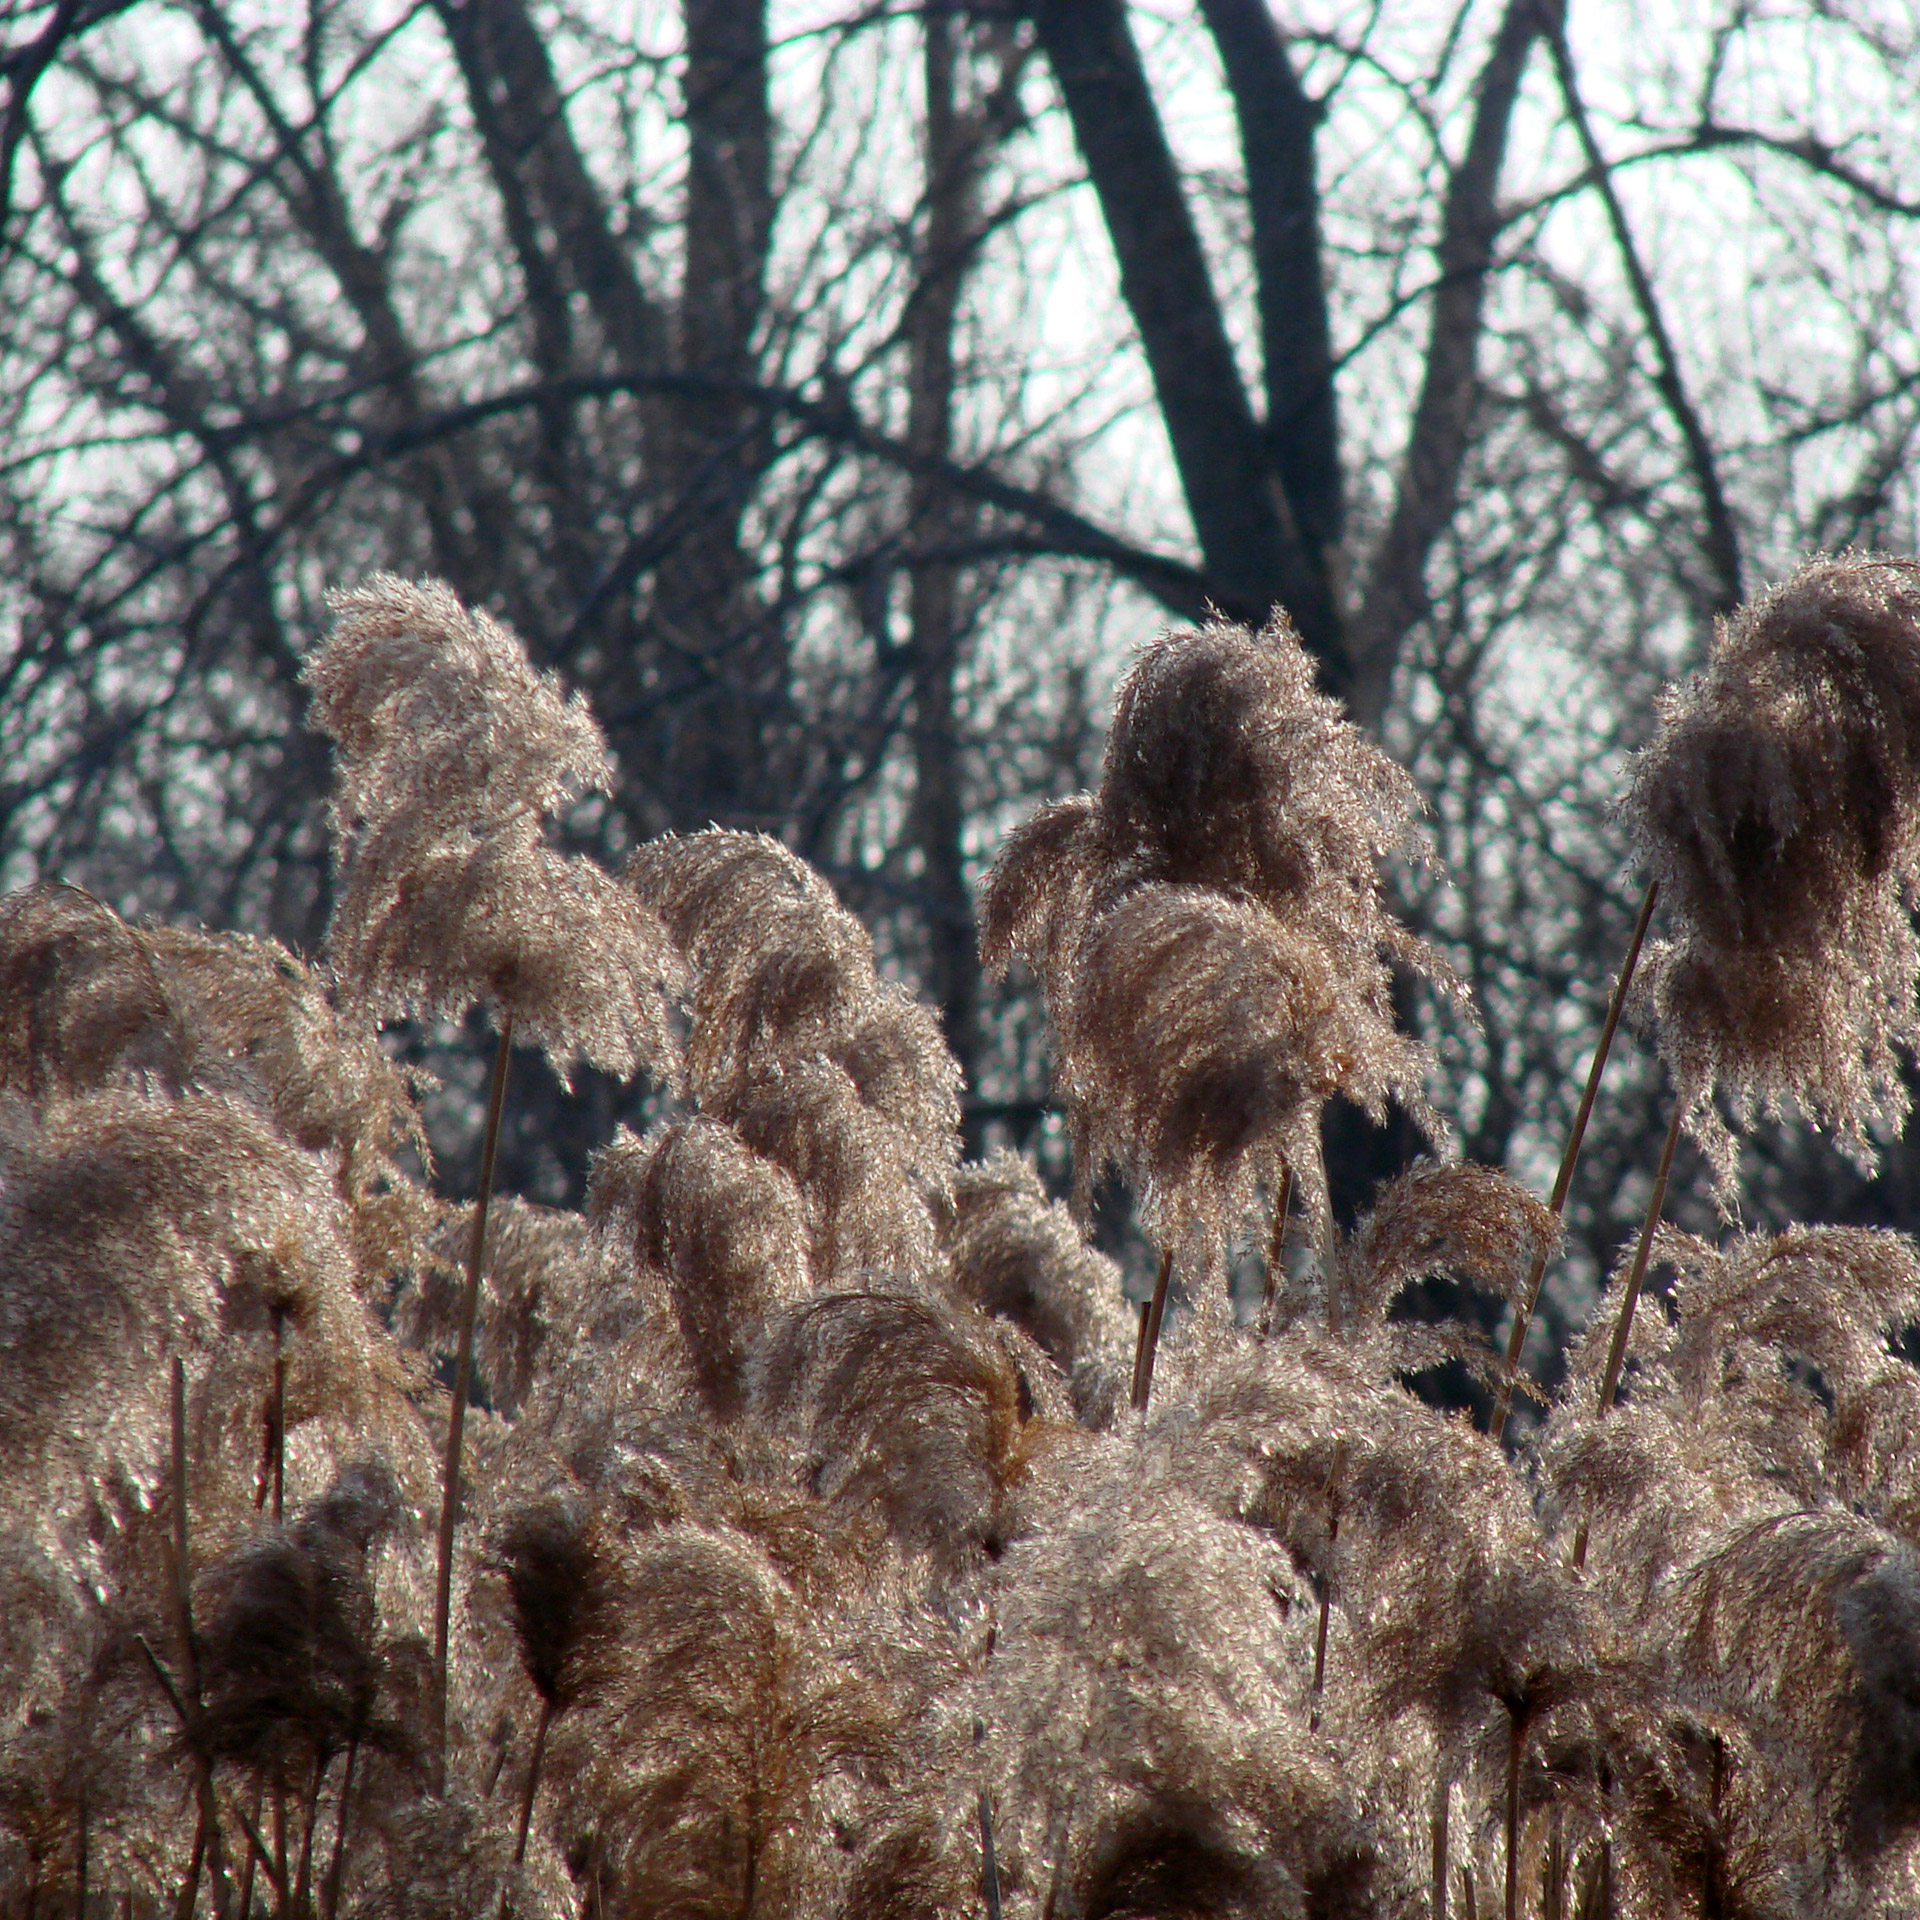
(1779, 808)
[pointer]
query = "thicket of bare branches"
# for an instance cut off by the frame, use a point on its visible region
(837, 395)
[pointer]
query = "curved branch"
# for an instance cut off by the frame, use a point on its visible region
(1720, 542)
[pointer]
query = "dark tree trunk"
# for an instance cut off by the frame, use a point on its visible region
(1240, 511)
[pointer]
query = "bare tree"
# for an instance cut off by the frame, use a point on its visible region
(723, 355)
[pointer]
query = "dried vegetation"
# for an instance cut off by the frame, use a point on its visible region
(826, 1544)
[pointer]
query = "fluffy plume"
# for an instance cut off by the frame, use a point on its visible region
(1017, 1256)
(699, 1769)
(1765, 1381)
(872, 1211)
(291, 1664)
(1035, 898)
(917, 1410)
(537, 1277)
(783, 974)
(82, 1003)
(1225, 769)
(132, 1227)
(1441, 1221)
(1141, 1706)
(451, 750)
(726, 1232)
(1209, 929)
(1199, 1040)
(1779, 808)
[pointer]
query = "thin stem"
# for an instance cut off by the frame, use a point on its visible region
(303, 1884)
(1150, 1334)
(1276, 1249)
(331, 1905)
(256, 1852)
(1140, 1348)
(533, 1781)
(190, 1886)
(1570, 1158)
(1326, 1593)
(253, 1854)
(279, 1416)
(1554, 1905)
(989, 1867)
(457, 1418)
(214, 1843)
(1630, 1296)
(1516, 1739)
(1442, 1805)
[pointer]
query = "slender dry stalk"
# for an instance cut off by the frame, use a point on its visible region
(1154, 1312)
(1516, 1743)
(215, 1844)
(1276, 1250)
(1630, 1296)
(330, 1895)
(1570, 1155)
(457, 1413)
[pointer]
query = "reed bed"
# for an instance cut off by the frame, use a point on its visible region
(807, 1527)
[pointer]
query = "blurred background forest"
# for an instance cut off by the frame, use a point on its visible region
(836, 394)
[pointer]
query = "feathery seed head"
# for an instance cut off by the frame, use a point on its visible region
(1227, 768)
(725, 1231)
(870, 1209)
(1779, 808)
(82, 1003)
(450, 750)
(1199, 1040)
(1015, 1255)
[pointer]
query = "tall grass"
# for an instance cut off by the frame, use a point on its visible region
(828, 1539)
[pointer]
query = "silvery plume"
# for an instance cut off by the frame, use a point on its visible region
(915, 1410)
(84, 1001)
(1146, 1748)
(1210, 931)
(720, 1232)
(134, 1227)
(1779, 809)
(1017, 1255)
(715, 1726)
(451, 754)
(781, 974)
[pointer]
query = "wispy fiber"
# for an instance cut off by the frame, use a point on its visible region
(1210, 932)
(451, 752)
(132, 1227)
(1779, 808)
(725, 1233)
(83, 1004)
(913, 1408)
(780, 974)
(1018, 1256)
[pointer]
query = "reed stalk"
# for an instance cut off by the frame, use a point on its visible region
(1630, 1297)
(1276, 1250)
(1150, 1334)
(331, 1898)
(189, 1706)
(457, 1417)
(1570, 1158)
